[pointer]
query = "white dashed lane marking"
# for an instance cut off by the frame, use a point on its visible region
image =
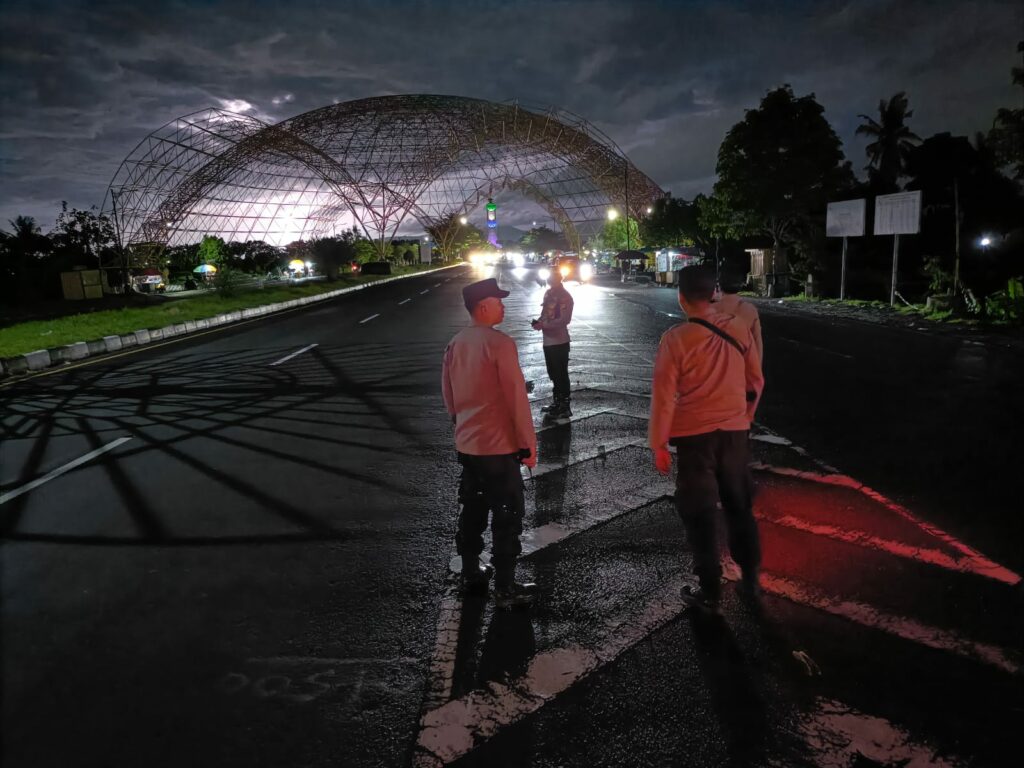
(286, 358)
(61, 470)
(368, 319)
(404, 301)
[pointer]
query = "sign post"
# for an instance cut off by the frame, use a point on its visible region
(845, 219)
(898, 214)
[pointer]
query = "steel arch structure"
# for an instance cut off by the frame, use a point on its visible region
(370, 163)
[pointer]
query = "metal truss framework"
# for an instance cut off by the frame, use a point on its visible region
(371, 163)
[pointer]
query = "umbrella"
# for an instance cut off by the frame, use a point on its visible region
(203, 268)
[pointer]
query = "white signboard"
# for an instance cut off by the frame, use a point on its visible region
(845, 219)
(425, 253)
(898, 214)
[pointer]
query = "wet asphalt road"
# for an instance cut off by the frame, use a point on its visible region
(259, 573)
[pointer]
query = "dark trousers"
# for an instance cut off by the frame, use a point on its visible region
(556, 358)
(713, 467)
(491, 484)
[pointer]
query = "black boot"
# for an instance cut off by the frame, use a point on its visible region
(475, 577)
(514, 595)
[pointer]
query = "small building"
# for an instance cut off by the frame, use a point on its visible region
(769, 271)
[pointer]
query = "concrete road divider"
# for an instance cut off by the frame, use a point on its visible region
(46, 358)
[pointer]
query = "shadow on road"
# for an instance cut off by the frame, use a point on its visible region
(325, 411)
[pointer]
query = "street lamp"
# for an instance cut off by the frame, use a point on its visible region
(612, 214)
(985, 242)
(649, 210)
(463, 220)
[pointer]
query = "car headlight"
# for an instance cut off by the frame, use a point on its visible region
(543, 273)
(586, 271)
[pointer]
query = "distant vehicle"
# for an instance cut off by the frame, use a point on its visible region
(573, 268)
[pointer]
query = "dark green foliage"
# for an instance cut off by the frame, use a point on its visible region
(24, 261)
(779, 167)
(891, 142)
(332, 254)
(452, 238)
(542, 239)
(674, 221)
(1007, 134)
(948, 169)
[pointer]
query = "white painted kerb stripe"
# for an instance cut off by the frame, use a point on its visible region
(368, 319)
(61, 470)
(286, 358)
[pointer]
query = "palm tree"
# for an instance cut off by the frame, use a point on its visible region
(892, 140)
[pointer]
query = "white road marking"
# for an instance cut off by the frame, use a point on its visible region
(973, 562)
(426, 291)
(437, 285)
(368, 319)
(587, 455)
(441, 673)
(900, 626)
(286, 358)
(459, 726)
(404, 301)
(61, 470)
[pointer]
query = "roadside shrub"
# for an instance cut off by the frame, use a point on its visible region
(227, 281)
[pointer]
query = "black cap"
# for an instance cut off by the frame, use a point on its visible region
(474, 293)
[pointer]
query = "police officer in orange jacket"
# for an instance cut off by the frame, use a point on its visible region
(707, 384)
(485, 394)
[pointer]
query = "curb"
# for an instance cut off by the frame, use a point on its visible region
(41, 359)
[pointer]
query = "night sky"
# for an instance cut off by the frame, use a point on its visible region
(82, 83)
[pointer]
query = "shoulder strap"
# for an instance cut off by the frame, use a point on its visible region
(718, 332)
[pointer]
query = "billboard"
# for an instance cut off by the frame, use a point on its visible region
(898, 214)
(845, 219)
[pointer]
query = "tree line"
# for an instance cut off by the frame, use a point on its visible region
(781, 165)
(31, 261)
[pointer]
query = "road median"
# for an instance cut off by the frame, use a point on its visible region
(108, 331)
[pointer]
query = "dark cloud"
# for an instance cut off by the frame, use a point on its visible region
(82, 83)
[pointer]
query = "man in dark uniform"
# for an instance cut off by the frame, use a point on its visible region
(485, 394)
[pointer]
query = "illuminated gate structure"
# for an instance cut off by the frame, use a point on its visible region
(370, 163)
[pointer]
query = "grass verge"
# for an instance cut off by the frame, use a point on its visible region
(44, 334)
(935, 316)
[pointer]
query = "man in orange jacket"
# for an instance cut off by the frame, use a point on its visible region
(485, 394)
(707, 384)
